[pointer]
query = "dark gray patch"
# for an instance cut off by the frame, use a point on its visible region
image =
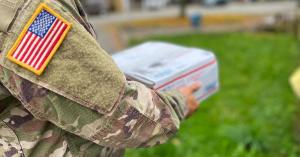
(30, 91)
(135, 95)
(13, 151)
(164, 114)
(18, 120)
(126, 130)
(132, 114)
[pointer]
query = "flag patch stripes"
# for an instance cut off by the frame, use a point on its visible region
(39, 40)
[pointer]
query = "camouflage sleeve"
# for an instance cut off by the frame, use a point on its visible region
(177, 102)
(142, 118)
(3, 92)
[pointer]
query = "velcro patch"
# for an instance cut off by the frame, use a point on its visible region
(39, 40)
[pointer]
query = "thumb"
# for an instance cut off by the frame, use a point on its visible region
(194, 87)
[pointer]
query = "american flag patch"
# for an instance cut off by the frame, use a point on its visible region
(39, 40)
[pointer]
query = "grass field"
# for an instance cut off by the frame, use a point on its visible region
(254, 113)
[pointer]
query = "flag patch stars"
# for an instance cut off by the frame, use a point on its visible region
(42, 23)
(39, 40)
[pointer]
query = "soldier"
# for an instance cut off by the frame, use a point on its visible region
(62, 95)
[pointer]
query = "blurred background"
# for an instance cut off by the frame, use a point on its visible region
(255, 114)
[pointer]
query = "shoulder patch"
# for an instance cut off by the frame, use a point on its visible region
(39, 40)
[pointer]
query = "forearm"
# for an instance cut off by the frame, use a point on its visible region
(142, 118)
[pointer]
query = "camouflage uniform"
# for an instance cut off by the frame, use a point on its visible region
(86, 110)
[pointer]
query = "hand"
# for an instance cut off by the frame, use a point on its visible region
(188, 91)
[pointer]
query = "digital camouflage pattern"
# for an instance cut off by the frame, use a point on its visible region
(35, 121)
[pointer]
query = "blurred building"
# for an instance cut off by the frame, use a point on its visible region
(95, 7)
(103, 6)
(146, 4)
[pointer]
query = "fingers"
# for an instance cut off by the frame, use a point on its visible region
(191, 101)
(194, 87)
(193, 105)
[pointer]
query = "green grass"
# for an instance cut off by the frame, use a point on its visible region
(253, 115)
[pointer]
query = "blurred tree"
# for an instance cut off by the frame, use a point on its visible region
(183, 5)
(297, 30)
